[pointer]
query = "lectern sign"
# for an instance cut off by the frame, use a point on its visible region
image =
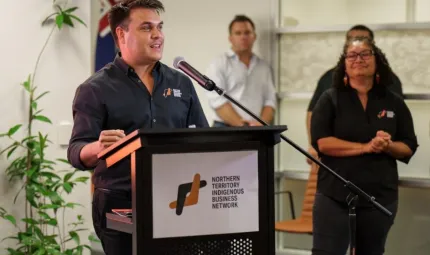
(205, 193)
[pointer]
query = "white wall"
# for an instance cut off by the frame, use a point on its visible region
(65, 64)
(313, 12)
(333, 12)
(422, 9)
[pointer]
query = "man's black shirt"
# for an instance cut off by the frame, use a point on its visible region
(115, 98)
(326, 82)
(339, 113)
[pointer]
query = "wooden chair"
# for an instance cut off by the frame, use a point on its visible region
(303, 224)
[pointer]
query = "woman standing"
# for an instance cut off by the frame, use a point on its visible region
(360, 130)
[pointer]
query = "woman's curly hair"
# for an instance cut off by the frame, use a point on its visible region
(382, 66)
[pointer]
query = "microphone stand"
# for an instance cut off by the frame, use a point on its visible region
(355, 192)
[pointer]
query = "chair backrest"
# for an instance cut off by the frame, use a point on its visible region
(311, 188)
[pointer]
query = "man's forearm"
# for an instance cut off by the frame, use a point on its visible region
(89, 153)
(267, 114)
(229, 115)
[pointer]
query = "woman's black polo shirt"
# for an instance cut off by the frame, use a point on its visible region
(339, 113)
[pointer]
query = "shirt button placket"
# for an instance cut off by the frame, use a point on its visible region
(153, 112)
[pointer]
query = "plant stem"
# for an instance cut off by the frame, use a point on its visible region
(28, 208)
(64, 226)
(40, 54)
(59, 234)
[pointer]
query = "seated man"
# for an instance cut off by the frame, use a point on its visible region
(245, 77)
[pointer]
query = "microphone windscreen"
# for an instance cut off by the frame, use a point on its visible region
(176, 62)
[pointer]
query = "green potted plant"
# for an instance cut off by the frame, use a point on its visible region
(43, 229)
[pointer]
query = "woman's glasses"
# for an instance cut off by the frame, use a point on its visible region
(365, 55)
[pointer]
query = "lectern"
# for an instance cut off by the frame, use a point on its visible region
(199, 190)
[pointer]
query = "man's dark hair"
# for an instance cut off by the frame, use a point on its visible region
(382, 66)
(240, 18)
(119, 14)
(361, 28)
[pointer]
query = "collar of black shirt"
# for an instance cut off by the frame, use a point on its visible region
(128, 70)
(377, 91)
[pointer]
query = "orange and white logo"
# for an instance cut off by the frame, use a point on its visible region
(385, 113)
(167, 92)
(381, 114)
(193, 189)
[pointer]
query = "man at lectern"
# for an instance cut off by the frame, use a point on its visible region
(135, 91)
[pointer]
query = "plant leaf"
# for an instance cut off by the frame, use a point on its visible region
(44, 215)
(74, 236)
(70, 10)
(68, 176)
(8, 148)
(49, 162)
(9, 237)
(14, 129)
(78, 19)
(34, 105)
(55, 197)
(82, 179)
(50, 206)
(52, 222)
(45, 21)
(30, 198)
(11, 151)
(72, 205)
(41, 251)
(68, 20)
(41, 95)
(30, 221)
(42, 118)
(93, 238)
(14, 252)
(67, 187)
(11, 219)
(27, 84)
(17, 194)
(59, 20)
(63, 160)
(50, 175)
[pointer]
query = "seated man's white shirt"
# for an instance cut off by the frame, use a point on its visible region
(253, 87)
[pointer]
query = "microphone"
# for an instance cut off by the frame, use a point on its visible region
(205, 82)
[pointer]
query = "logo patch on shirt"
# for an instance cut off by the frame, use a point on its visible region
(381, 114)
(177, 93)
(390, 114)
(167, 92)
(385, 113)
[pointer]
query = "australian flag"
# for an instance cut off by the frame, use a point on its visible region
(105, 47)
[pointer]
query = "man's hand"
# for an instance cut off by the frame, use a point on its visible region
(313, 153)
(109, 137)
(254, 123)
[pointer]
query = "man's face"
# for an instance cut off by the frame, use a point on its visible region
(358, 33)
(143, 41)
(242, 36)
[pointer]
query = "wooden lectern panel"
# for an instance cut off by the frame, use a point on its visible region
(119, 151)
